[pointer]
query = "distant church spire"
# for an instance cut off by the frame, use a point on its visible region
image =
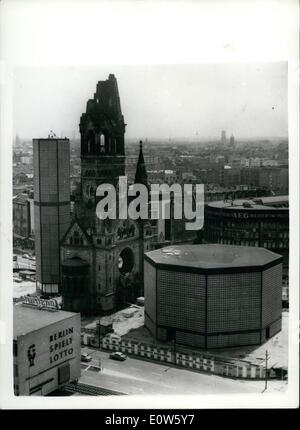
(141, 173)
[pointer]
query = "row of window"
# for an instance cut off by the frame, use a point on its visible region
(266, 244)
(239, 242)
(246, 226)
(76, 241)
(100, 143)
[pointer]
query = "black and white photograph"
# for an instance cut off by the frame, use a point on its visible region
(150, 241)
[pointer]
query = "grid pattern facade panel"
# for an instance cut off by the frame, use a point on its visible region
(51, 186)
(272, 294)
(48, 172)
(64, 171)
(150, 290)
(224, 341)
(36, 176)
(181, 300)
(190, 339)
(37, 241)
(49, 240)
(233, 302)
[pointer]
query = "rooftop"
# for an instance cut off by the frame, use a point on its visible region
(212, 256)
(50, 138)
(28, 319)
(274, 202)
(21, 198)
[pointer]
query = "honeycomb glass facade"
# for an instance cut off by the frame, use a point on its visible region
(51, 208)
(201, 298)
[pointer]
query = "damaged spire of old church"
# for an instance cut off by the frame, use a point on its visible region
(102, 126)
(102, 130)
(141, 176)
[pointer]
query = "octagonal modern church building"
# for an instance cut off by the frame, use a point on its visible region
(213, 296)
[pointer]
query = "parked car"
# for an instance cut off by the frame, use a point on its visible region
(118, 356)
(85, 357)
(140, 301)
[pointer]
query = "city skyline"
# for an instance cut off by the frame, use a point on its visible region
(159, 101)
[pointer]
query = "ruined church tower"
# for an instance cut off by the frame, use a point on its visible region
(102, 130)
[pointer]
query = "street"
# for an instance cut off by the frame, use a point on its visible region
(136, 376)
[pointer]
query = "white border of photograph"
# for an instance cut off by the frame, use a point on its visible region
(74, 33)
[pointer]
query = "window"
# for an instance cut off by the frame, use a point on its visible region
(76, 237)
(15, 349)
(64, 374)
(102, 146)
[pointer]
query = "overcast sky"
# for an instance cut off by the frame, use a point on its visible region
(165, 101)
(238, 87)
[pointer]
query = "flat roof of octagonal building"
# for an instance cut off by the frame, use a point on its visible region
(213, 258)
